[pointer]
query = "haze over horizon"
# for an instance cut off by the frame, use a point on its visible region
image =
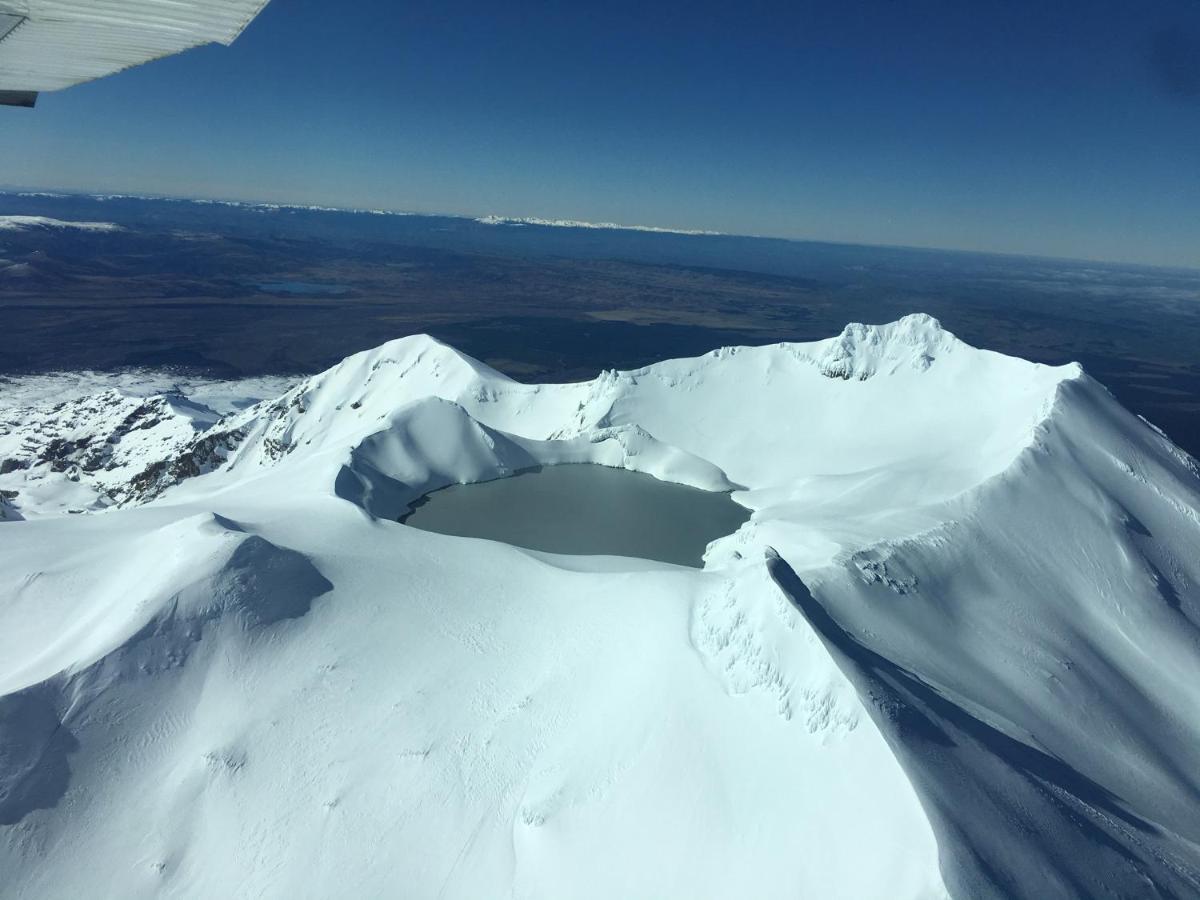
(565, 222)
(1069, 132)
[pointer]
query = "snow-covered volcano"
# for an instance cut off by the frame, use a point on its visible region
(953, 652)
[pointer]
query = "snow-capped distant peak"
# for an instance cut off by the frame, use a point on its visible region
(25, 223)
(575, 223)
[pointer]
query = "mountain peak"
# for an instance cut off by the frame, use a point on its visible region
(860, 351)
(959, 568)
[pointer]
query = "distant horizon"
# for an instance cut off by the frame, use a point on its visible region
(1064, 131)
(509, 220)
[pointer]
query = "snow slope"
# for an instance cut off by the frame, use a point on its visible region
(953, 652)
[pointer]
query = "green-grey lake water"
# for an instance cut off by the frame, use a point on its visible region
(585, 510)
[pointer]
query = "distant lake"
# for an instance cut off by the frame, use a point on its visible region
(585, 510)
(302, 287)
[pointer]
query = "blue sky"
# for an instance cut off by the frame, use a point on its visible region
(1068, 129)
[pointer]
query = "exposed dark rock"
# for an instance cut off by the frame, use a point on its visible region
(203, 455)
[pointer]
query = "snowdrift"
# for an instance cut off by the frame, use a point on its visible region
(953, 652)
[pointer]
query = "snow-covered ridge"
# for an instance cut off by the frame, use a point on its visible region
(221, 395)
(270, 207)
(26, 223)
(261, 206)
(918, 380)
(71, 441)
(576, 223)
(961, 569)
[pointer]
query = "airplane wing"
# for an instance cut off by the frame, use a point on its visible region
(46, 45)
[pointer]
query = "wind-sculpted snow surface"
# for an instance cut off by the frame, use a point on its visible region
(953, 652)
